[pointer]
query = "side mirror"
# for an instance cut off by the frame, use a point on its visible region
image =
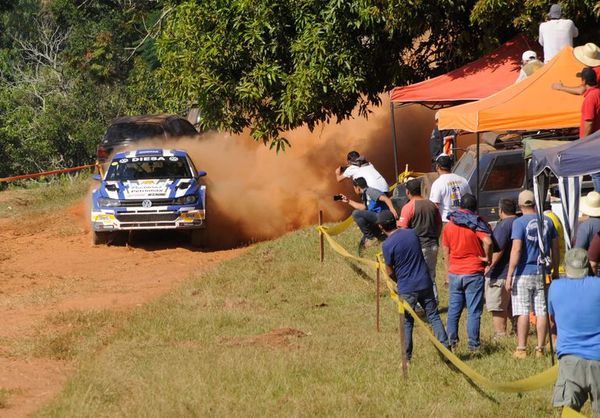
(97, 177)
(201, 173)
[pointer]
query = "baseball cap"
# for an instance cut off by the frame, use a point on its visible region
(386, 218)
(555, 11)
(526, 198)
(588, 75)
(529, 56)
(444, 161)
(576, 263)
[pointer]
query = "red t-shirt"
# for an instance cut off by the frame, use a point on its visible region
(597, 71)
(590, 110)
(464, 248)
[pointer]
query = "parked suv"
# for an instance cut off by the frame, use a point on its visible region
(127, 131)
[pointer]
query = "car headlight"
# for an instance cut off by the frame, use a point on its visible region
(106, 202)
(186, 200)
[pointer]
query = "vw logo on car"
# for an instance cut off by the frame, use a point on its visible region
(146, 203)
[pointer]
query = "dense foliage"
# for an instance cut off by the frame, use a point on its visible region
(69, 66)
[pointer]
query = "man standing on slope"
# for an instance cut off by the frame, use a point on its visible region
(524, 278)
(573, 301)
(556, 33)
(405, 264)
(449, 188)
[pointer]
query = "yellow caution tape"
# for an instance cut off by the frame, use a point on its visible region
(538, 381)
(571, 413)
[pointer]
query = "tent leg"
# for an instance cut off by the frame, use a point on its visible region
(394, 142)
(477, 176)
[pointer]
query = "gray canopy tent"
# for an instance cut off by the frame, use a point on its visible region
(569, 163)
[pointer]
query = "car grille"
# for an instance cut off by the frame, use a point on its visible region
(138, 202)
(146, 217)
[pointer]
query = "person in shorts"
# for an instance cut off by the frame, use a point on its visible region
(497, 298)
(574, 301)
(524, 278)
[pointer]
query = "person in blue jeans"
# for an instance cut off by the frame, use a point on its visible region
(467, 245)
(407, 267)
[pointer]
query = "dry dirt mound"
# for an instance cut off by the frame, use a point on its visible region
(48, 266)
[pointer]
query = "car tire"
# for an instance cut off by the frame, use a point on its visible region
(199, 238)
(100, 237)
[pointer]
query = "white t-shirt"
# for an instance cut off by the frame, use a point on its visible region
(368, 172)
(556, 34)
(447, 191)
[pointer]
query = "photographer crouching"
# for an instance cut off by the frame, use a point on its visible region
(373, 201)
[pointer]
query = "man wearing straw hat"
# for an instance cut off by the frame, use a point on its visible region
(556, 33)
(588, 54)
(587, 230)
(574, 301)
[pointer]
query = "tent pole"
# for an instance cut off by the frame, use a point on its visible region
(477, 177)
(394, 142)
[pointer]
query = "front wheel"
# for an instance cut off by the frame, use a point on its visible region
(100, 237)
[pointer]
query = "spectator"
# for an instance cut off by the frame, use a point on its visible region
(448, 189)
(497, 298)
(357, 167)
(556, 33)
(424, 218)
(588, 54)
(587, 230)
(468, 249)
(574, 301)
(365, 212)
(529, 65)
(405, 264)
(594, 254)
(524, 278)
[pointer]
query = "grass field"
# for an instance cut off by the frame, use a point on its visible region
(272, 333)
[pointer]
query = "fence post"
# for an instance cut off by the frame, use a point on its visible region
(377, 298)
(321, 238)
(403, 347)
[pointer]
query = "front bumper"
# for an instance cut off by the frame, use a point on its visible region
(139, 219)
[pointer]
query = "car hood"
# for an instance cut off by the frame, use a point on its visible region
(149, 189)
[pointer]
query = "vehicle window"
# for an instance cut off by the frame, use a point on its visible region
(505, 173)
(149, 168)
(132, 131)
(181, 127)
(465, 166)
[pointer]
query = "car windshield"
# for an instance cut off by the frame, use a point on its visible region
(132, 131)
(148, 168)
(465, 166)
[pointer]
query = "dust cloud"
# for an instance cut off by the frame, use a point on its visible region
(254, 194)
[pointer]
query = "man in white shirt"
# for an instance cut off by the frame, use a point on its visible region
(556, 33)
(358, 167)
(449, 188)
(530, 64)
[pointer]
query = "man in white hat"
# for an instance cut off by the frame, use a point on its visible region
(590, 206)
(556, 33)
(573, 301)
(588, 54)
(529, 65)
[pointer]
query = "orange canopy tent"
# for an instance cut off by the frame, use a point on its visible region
(473, 81)
(529, 105)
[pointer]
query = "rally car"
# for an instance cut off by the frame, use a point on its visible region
(149, 189)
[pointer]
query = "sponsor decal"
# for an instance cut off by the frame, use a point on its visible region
(123, 160)
(115, 163)
(173, 158)
(140, 159)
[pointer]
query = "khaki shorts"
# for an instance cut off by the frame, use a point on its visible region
(577, 381)
(497, 297)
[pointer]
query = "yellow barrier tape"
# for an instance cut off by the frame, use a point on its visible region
(538, 381)
(571, 413)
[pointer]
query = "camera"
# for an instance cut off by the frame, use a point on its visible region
(338, 197)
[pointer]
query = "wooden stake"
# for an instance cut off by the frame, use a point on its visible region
(377, 298)
(321, 237)
(403, 348)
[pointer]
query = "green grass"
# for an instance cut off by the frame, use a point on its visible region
(196, 352)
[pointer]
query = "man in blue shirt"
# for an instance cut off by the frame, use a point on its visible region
(406, 266)
(574, 302)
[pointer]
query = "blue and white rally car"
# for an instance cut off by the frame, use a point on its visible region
(149, 189)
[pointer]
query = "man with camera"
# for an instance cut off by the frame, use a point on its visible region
(373, 201)
(357, 167)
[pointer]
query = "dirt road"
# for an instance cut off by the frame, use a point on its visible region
(48, 266)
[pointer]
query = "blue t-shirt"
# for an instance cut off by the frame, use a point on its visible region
(402, 251)
(525, 229)
(501, 238)
(371, 200)
(586, 232)
(574, 304)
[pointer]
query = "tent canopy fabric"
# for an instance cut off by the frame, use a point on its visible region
(529, 105)
(575, 158)
(473, 81)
